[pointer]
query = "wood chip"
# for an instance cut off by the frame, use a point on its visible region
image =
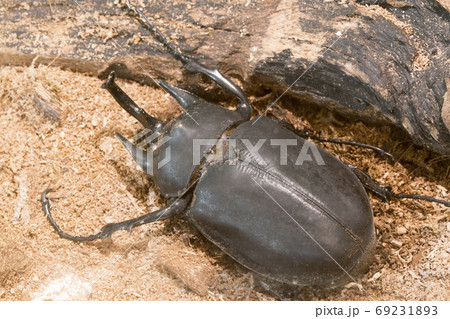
(397, 243)
(375, 277)
(401, 230)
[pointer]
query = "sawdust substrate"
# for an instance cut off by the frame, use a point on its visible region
(95, 182)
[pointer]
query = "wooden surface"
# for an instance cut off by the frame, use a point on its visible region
(386, 62)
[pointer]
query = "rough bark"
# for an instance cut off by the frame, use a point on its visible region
(385, 61)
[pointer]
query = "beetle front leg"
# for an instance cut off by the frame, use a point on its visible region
(175, 208)
(244, 108)
(385, 191)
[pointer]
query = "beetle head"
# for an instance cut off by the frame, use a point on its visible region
(171, 158)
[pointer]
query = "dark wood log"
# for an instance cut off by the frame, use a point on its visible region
(383, 61)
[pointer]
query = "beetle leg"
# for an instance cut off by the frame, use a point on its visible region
(244, 108)
(175, 208)
(377, 150)
(370, 184)
(130, 106)
(306, 135)
(385, 191)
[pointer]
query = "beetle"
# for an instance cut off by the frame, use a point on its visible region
(305, 224)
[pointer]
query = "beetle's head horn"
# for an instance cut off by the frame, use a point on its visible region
(143, 158)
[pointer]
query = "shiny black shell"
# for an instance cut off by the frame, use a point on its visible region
(303, 224)
(203, 120)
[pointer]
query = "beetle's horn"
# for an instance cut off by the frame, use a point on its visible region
(185, 98)
(143, 158)
(130, 106)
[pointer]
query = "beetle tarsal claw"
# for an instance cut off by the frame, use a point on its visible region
(384, 154)
(109, 81)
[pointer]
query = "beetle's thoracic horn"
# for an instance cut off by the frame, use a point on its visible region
(130, 106)
(140, 156)
(184, 98)
(244, 108)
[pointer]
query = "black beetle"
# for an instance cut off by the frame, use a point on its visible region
(302, 224)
